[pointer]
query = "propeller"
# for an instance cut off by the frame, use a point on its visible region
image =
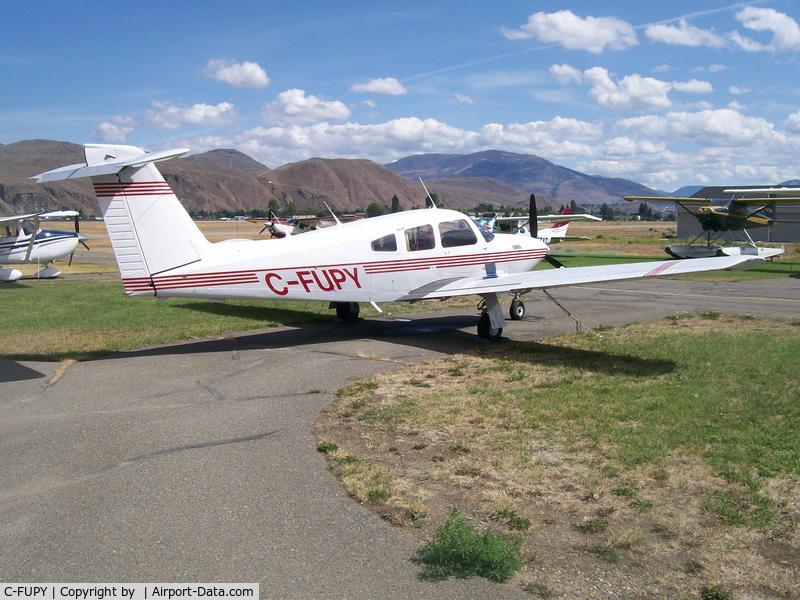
(533, 223)
(533, 217)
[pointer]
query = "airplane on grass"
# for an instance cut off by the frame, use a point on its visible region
(25, 243)
(405, 256)
(741, 212)
(280, 228)
(555, 232)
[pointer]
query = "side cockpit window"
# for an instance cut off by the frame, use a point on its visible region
(420, 238)
(387, 243)
(457, 233)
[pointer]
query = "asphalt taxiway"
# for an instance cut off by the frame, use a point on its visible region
(197, 462)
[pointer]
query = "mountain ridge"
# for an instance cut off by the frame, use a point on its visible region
(528, 172)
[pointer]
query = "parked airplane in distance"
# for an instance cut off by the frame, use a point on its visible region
(557, 225)
(748, 208)
(405, 256)
(25, 243)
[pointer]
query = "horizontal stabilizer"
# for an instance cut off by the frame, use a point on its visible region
(110, 166)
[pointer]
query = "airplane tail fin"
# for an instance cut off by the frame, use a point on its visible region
(150, 231)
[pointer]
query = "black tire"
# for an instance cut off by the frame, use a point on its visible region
(486, 331)
(517, 310)
(347, 311)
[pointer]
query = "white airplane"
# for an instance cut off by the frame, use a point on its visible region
(405, 256)
(557, 229)
(25, 243)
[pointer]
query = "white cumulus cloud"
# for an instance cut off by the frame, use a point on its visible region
(738, 91)
(784, 29)
(293, 106)
(241, 75)
(718, 127)
(108, 132)
(565, 74)
(632, 92)
(683, 35)
(693, 86)
(170, 115)
(792, 122)
(593, 34)
(387, 86)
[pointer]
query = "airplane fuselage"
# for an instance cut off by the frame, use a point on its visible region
(48, 245)
(397, 255)
(720, 218)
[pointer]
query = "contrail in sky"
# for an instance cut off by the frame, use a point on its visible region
(488, 59)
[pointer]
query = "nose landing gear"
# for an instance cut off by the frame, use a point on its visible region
(517, 310)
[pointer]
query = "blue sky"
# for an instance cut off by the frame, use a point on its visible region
(667, 94)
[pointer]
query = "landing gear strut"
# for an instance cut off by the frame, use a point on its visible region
(347, 311)
(485, 329)
(517, 310)
(490, 312)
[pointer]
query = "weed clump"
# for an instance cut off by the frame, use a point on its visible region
(327, 447)
(713, 591)
(459, 550)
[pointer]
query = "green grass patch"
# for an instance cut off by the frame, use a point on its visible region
(459, 550)
(60, 319)
(592, 525)
(694, 389)
(623, 490)
(512, 519)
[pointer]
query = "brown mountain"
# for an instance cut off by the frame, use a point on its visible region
(468, 192)
(226, 179)
(227, 157)
(523, 171)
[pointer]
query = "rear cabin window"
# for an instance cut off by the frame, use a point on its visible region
(457, 233)
(387, 243)
(420, 238)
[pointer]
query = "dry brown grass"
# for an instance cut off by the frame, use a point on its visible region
(439, 434)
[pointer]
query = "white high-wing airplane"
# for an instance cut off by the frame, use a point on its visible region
(412, 255)
(555, 232)
(25, 243)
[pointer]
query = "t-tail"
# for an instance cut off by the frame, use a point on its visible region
(150, 230)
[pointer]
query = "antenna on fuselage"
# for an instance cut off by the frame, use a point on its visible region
(429, 198)
(333, 214)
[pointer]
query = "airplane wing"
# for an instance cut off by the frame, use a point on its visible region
(766, 200)
(667, 199)
(774, 190)
(575, 276)
(565, 218)
(18, 218)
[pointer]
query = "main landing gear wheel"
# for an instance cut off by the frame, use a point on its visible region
(347, 311)
(486, 331)
(517, 310)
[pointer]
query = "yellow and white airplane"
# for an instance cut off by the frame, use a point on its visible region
(406, 256)
(25, 243)
(748, 208)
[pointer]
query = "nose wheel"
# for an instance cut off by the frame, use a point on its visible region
(517, 310)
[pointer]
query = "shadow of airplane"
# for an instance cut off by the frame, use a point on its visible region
(11, 370)
(442, 334)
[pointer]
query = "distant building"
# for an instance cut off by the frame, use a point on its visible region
(688, 227)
